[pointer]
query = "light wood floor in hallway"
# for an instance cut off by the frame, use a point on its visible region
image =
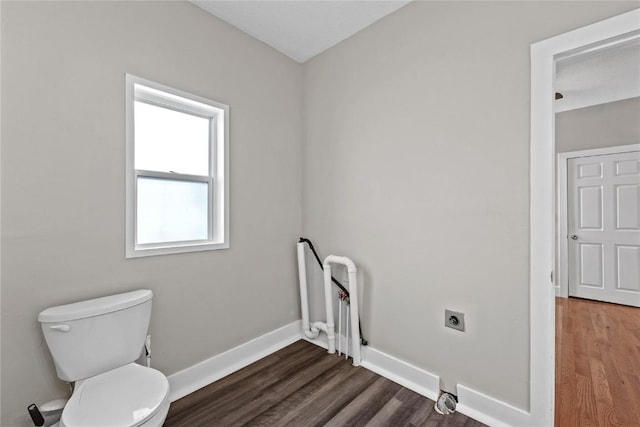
(597, 364)
(301, 385)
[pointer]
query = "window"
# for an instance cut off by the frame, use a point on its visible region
(177, 186)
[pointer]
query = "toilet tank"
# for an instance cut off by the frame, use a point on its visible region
(90, 337)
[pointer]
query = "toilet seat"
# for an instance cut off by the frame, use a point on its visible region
(124, 397)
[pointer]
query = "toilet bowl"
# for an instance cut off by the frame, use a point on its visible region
(94, 344)
(129, 396)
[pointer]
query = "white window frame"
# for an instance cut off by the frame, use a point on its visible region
(139, 89)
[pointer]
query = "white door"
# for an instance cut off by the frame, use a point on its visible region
(604, 227)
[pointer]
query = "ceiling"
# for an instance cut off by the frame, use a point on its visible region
(300, 29)
(599, 74)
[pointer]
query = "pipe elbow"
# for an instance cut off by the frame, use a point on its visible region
(351, 267)
(319, 326)
(312, 333)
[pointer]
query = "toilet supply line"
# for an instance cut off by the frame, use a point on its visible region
(48, 414)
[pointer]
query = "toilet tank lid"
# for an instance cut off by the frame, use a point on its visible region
(94, 307)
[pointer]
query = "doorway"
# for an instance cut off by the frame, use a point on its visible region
(542, 199)
(597, 103)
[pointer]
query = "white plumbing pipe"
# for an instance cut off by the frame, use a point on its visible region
(353, 301)
(328, 302)
(346, 349)
(304, 299)
(355, 316)
(339, 326)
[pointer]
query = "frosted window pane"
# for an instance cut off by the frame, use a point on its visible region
(167, 140)
(171, 210)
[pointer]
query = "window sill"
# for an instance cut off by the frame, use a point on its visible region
(139, 252)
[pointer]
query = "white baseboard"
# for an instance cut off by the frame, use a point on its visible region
(490, 411)
(204, 373)
(401, 372)
(472, 403)
(394, 369)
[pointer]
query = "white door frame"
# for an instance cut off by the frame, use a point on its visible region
(562, 244)
(542, 204)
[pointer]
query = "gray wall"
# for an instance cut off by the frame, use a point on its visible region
(599, 126)
(63, 66)
(416, 164)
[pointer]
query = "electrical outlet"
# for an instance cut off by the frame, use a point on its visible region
(454, 320)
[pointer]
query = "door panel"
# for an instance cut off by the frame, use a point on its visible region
(604, 227)
(590, 170)
(628, 271)
(591, 207)
(628, 167)
(591, 265)
(627, 212)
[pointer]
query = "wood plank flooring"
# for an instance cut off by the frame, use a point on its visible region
(597, 364)
(302, 385)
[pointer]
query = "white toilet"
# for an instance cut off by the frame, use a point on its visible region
(94, 343)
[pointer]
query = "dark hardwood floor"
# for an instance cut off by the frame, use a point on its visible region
(597, 364)
(302, 385)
